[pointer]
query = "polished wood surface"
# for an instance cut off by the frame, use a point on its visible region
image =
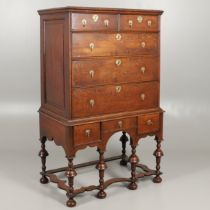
(107, 71)
(100, 74)
(138, 96)
(114, 44)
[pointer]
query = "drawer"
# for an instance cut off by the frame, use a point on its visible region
(114, 98)
(86, 134)
(119, 124)
(112, 44)
(148, 123)
(93, 22)
(111, 71)
(139, 23)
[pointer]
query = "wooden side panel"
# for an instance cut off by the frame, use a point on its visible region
(54, 63)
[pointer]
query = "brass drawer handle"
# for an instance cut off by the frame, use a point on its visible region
(149, 23)
(91, 72)
(143, 69)
(106, 23)
(140, 19)
(87, 132)
(84, 22)
(91, 45)
(143, 44)
(95, 18)
(118, 89)
(118, 37)
(118, 62)
(149, 122)
(120, 123)
(92, 102)
(143, 96)
(130, 22)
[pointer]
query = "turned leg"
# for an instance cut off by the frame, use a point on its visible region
(133, 159)
(43, 154)
(101, 166)
(70, 173)
(124, 157)
(158, 153)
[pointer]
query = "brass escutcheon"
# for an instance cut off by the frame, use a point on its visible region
(118, 89)
(95, 18)
(87, 132)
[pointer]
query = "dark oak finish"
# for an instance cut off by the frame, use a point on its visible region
(100, 74)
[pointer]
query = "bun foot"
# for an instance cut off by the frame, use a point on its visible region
(157, 179)
(71, 203)
(101, 195)
(44, 180)
(132, 186)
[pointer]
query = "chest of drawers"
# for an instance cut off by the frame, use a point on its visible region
(100, 74)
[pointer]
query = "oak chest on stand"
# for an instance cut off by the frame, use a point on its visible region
(100, 74)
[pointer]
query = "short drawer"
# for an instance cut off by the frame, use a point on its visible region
(93, 22)
(148, 123)
(139, 23)
(114, 44)
(111, 71)
(119, 124)
(86, 134)
(114, 98)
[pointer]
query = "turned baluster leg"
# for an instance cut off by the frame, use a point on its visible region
(124, 157)
(101, 166)
(70, 173)
(43, 154)
(158, 153)
(133, 159)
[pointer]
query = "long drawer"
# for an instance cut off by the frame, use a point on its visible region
(114, 98)
(114, 70)
(113, 44)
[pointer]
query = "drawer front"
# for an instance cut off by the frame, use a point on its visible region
(111, 71)
(94, 22)
(139, 23)
(114, 98)
(86, 134)
(148, 123)
(112, 44)
(119, 124)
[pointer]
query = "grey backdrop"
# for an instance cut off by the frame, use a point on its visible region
(185, 95)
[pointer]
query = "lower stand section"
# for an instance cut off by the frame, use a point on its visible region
(158, 153)
(124, 157)
(70, 173)
(43, 155)
(101, 166)
(133, 160)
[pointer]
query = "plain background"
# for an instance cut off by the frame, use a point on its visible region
(185, 95)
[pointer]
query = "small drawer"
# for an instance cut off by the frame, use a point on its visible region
(148, 123)
(139, 23)
(118, 124)
(93, 22)
(86, 134)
